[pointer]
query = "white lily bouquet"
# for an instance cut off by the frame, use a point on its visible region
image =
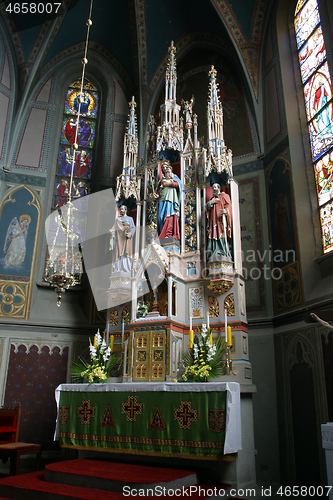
(203, 361)
(101, 361)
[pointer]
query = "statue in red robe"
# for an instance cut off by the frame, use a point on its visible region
(219, 222)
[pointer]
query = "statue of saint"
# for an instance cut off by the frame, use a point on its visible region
(188, 112)
(169, 194)
(219, 215)
(121, 243)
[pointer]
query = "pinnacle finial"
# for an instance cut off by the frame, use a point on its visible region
(212, 73)
(172, 48)
(132, 104)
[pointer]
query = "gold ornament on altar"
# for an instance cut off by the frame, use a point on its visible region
(220, 286)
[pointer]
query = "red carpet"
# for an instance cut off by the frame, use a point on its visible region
(115, 476)
(119, 471)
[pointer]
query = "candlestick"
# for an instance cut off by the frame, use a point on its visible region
(112, 343)
(228, 362)
(107, 326)
(226, 325)
(229, 342)
(211, 338)
(190, 338)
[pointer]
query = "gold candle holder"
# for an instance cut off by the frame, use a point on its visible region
(228, 362)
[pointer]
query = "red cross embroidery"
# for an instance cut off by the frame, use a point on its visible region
(85, 412)
(132, 408)
(185, 415)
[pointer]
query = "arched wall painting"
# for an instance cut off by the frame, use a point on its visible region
(20, 213)
(284, 255)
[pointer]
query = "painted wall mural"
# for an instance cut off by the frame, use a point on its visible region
(20, 213)
(252, 248)
(286, 275)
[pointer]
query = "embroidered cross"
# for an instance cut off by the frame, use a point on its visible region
(132, 408)
(85, 412)
(63, 415)
(185, 415)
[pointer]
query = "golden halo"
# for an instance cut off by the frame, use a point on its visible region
(25, 216)
(76, 93)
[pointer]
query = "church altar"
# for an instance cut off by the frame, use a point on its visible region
(191, 420)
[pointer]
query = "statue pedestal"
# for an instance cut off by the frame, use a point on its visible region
(221, 275)
(170, 245)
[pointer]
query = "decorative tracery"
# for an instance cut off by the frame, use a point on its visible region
(317, 88)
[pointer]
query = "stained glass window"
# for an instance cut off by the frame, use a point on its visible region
(317, 88)
(85, 140)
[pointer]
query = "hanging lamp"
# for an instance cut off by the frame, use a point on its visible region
(64, 228)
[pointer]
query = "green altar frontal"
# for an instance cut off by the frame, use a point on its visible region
(130, 418)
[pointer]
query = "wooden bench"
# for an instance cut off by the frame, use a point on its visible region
(9, 445)
(9, 423)
(14, 452)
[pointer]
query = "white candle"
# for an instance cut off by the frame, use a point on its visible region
(190, 322)
(207, 319)
(122, 333)
(225, 325)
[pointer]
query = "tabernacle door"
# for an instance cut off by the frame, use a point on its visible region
(149, 356)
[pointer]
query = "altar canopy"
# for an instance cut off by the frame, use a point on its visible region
(199, 420)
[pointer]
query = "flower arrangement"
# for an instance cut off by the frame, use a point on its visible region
(101, 361)
(203, 361)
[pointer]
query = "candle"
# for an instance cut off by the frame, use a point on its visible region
(229, 343)
(207, 319)
(191, 338)
(190, 322)
(122, 333)
(225, 325)
(112, 343)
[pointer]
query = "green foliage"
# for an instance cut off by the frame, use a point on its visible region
(203, 362)
(101, 363)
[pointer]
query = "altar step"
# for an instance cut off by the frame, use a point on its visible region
(112, 476)
(89, 479)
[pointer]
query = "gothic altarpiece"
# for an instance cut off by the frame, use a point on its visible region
(197, 257)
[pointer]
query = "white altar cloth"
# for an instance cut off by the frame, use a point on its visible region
(233, 434)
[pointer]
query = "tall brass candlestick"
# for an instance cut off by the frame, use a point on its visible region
(228, 362)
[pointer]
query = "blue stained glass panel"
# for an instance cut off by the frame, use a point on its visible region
(80, 188)
(86, 132)
(299, 5)
(324, 178)
(326, 218)
(321, 133)
(318, 91)
(88, 106)
(306, 21)
(61, 192)
(312, 54)
(82, 164)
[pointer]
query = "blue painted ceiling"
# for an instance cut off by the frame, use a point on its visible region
(114, 26)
